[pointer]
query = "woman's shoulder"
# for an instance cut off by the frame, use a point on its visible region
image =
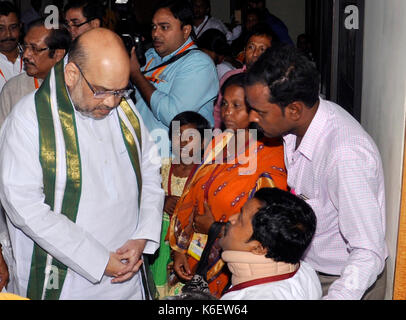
(271, 154)
(271, 146)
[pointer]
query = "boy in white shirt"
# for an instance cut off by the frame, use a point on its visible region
(263, 246)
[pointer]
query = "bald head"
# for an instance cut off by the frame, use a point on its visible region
(102, 51)
(98, 62)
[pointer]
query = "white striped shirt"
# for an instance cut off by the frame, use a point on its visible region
(337, 169)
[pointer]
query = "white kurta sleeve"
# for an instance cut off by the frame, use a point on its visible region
(21, 193)
(5, 103)
(3, 227)
(152, 196)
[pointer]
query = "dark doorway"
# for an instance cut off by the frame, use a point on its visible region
(337, 41)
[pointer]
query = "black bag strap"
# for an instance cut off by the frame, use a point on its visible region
(150, 290)
(214, 232)
(171, 60)
(201, 29)
(199, 281)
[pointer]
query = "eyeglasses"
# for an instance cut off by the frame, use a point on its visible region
(124, 93)
(33, 48)
(70, 24)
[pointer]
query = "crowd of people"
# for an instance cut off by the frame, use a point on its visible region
(206, 166)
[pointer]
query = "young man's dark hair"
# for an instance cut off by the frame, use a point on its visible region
(90, 9)
(289, 75)
(203, 8)
(214, 40)
(285, 225)
(7, 7)
(262, 29)
(57, 39)
(181, 10)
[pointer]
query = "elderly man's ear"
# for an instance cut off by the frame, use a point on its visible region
(71, 74)
(59, 54)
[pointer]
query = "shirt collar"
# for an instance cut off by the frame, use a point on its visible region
(189, 40)
(313, 134)
(203, 22)
(3, 57)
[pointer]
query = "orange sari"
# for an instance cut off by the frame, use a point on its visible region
(226, 187)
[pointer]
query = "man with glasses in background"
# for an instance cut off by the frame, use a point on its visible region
(88, 204)
(82, 16)
(42, 49)
(11, 63)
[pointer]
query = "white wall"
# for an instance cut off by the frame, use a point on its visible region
(292, 13)
(383, 105)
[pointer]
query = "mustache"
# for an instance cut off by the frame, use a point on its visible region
(26, 61)
(101, 108)
(8, 39)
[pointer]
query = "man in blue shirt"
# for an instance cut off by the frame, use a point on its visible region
(277, 25)
(187, 84)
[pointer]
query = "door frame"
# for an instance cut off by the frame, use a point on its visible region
(399, 287)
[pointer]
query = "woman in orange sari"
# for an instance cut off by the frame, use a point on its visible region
(235, 165)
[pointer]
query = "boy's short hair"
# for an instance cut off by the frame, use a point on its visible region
(284, 225)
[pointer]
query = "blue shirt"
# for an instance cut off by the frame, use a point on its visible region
(188, 84)
(278, 27)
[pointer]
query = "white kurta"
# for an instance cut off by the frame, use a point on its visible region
(107, 215)
(304, 285)
(15, 89)
(9, 69)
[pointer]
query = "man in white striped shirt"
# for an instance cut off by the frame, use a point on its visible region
(333, 164)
